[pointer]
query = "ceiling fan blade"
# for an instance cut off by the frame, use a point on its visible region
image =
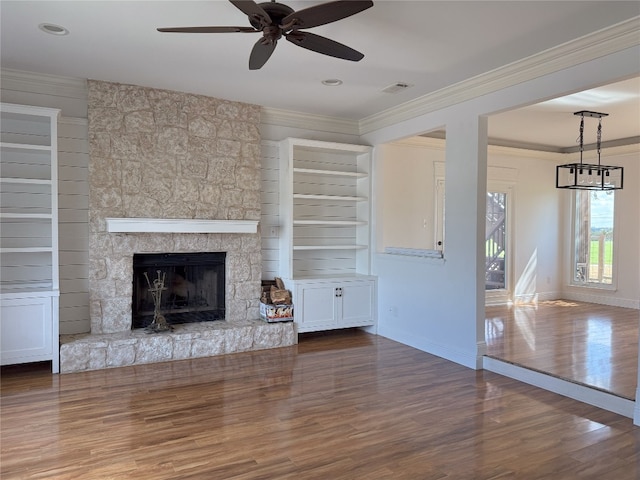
(324, 45)
(260, 53)
(208, 29)
(324, 13)
(254, 11)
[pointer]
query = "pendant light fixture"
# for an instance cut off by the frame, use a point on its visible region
(587, 176)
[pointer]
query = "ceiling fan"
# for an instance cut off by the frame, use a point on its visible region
(276, 20)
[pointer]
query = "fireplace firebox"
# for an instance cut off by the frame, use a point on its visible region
(194, 287)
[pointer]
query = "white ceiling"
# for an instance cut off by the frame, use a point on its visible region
(428, 44)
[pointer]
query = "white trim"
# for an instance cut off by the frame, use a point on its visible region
(414, 260)
(601, 299)
(582, 393)
(595, 45)
(178, 225)
(413, 252)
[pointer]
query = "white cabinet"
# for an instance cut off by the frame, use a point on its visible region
(29, 288)
(325, 233)
(334, 303)
(27, 331)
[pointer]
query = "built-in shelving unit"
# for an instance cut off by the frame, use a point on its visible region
(325, 234)
(29, 234)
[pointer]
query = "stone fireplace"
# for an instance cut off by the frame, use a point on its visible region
(183, 168)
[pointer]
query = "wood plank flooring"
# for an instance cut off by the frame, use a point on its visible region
(340, 405)
(596, 345)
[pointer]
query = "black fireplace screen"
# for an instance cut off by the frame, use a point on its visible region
(193, 287)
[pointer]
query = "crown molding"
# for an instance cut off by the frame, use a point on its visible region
(524, 151)
(285, 118)
(606, 154)
(603, 42)
(43, 83)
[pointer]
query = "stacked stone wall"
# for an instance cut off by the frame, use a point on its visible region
(164, 154)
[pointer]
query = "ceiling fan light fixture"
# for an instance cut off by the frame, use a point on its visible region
(332, 82)
(276, 20)
(53, 29)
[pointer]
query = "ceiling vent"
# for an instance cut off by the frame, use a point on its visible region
(397, 87)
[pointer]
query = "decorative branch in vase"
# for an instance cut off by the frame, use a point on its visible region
(159, 323)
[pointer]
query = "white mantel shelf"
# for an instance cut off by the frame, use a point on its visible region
(179, 225)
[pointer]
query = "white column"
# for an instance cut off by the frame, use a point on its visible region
(465, 210)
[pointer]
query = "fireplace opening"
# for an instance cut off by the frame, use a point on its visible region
(193, 287)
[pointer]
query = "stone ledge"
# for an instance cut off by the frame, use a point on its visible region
(82, 352)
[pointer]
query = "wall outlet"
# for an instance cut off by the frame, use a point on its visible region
(271, 232)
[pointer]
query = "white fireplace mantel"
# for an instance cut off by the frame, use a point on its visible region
(179, 225)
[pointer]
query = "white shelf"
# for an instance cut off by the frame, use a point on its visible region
(25, 146)
(330, 247)
(27, 216)
(27, 181)
(26, 249)
(336, 173)
(337, 223)
(324, 209)
(27, 287)
(342, 198)
(29, 268)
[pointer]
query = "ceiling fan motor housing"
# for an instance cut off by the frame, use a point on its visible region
(277, 11)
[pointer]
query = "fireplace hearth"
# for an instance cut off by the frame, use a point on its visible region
(193, 287)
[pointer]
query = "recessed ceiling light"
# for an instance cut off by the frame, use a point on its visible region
(53, 29)
(332, 82)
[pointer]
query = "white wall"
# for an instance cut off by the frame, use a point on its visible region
(408, 215)
(407, 179)
(434, 305)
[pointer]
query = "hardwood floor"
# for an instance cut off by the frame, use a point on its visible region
(596, 345)
(344, 405)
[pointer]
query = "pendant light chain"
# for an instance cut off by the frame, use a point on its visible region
(581, 137)
(599, 138)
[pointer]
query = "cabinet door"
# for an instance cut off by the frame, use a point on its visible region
(315, 307)
(358, 299)
(26, 330)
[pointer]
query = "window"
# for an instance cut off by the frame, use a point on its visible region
(496, 244)
(593, 246)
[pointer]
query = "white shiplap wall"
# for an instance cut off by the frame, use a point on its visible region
(270, 217)
(73, 226)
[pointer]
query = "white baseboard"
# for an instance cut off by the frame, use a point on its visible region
(591, 396)
(602, 299)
